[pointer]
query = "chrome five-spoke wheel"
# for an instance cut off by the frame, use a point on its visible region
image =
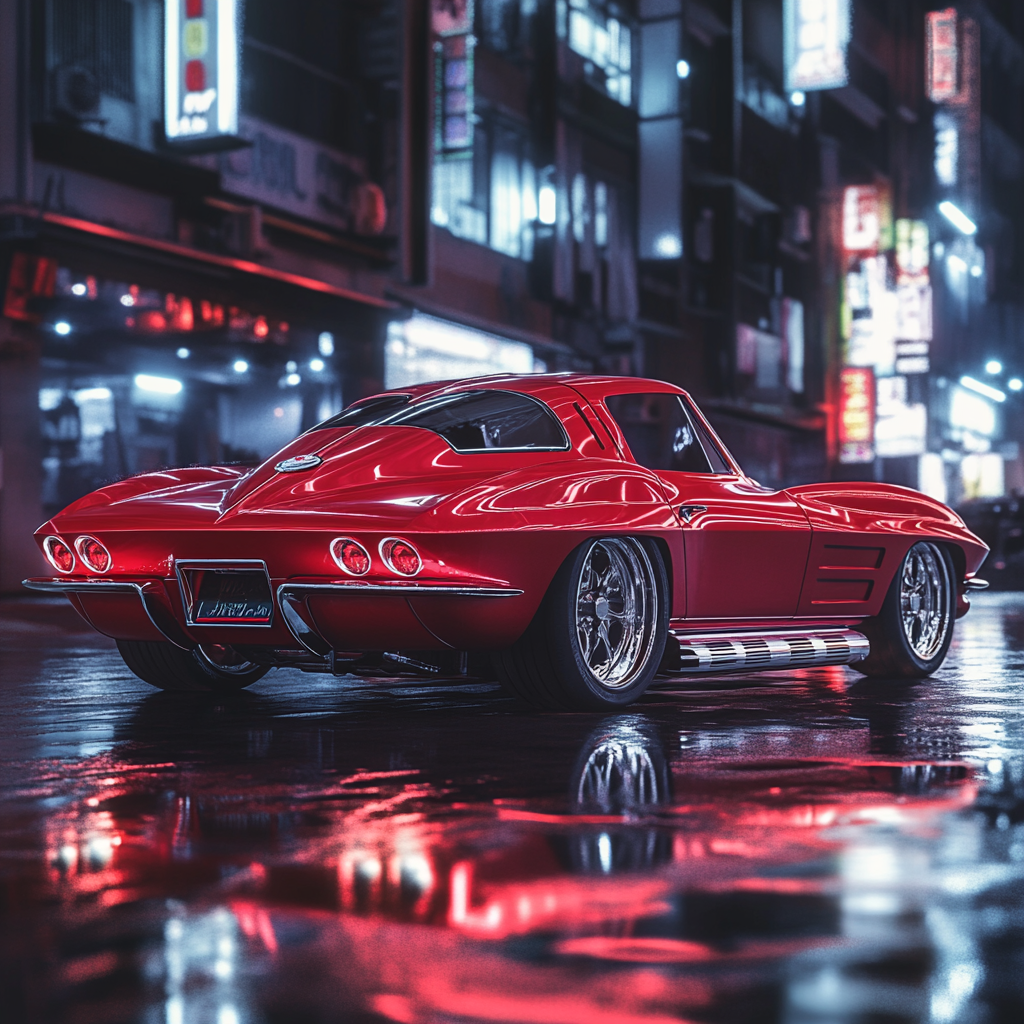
(914, 627)
(616, 611)
(925, 606)
(599, 634)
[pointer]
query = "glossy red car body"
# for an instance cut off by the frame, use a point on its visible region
(491, 530)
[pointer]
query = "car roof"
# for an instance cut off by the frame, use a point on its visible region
(532, 383)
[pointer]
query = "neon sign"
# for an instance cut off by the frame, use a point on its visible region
(856, 415)
(817, 33)
(942, 55)
(201, 69)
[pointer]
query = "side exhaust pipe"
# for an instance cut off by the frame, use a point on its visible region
(704, 653)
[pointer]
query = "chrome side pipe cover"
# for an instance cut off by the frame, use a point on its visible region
(704, 653)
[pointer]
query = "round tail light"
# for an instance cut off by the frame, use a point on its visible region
(93, 553)
(58, 554)
(350, 556)
(400, 556)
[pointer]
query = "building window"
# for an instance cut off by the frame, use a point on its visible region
(504, 25)
(595, 30)
(489, 194)
(456, 205)
(95, 35)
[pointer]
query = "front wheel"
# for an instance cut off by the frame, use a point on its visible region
(209, 668)
(598, 637)
(911, 634)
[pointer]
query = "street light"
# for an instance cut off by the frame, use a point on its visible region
(993, 366)
(240, 366)
(957, 218)
(1015, 383)
(983, 389)
(160, 385)
(683, 68)
(797, 98)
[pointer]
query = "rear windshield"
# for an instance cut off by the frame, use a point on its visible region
(470, 421)
(370, 410)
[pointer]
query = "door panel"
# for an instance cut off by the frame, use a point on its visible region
(746, 547)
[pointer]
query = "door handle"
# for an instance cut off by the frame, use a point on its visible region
(687, 512)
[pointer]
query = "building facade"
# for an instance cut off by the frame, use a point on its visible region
(221, 220)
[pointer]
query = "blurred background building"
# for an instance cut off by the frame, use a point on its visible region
(220, 220)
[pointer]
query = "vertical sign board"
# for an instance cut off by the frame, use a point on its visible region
(856, 415)
(862, 219)
(201, 64)
(452, 23)
(817, 33)
(942, 55)
(914, 297)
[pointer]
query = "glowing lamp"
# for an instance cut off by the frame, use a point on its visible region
(93, 553)
(350, 556)
(400, 556)
(58, 554)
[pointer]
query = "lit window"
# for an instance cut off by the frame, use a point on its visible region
(603, 40)
(600, 214)
(506, 203)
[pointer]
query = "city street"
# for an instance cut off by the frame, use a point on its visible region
(803, 847)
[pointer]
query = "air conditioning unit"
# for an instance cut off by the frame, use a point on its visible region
(76, 93)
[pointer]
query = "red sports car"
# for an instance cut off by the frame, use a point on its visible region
(584, 531)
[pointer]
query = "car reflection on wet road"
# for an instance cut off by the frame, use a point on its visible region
(806, 847)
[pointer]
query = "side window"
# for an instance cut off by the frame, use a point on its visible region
(714, 454)
(486, 420)
(659, 432)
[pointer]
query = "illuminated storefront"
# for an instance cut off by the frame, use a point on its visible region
(424, 348)
(135, 376)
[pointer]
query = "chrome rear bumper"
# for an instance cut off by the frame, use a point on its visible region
(149, 592)
(291, 599)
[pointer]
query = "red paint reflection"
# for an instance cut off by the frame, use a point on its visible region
(716, 850)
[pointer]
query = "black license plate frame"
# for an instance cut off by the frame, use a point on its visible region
(228, 593)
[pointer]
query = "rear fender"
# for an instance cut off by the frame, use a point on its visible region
(559, 510)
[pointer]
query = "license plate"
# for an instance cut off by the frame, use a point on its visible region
(240, 596)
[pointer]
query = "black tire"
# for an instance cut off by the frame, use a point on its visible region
(909, 638)
(548, 668)
(209, 670)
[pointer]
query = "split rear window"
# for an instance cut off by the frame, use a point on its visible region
(470, 421)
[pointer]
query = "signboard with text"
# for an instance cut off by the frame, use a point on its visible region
(817, 33)
(201, 71)
(303, 177)
(856, 415)
(942, 54)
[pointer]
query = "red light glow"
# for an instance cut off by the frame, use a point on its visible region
(350, 556)
(93, 553)
(400, 556)
(59, 555)
(195, 76)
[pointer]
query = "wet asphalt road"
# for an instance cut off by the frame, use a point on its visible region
(805, 847)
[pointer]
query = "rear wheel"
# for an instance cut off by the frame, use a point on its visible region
(911, 634)
(209, 668)
(598, 637)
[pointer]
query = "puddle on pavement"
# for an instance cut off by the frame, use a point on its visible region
(816, 850)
